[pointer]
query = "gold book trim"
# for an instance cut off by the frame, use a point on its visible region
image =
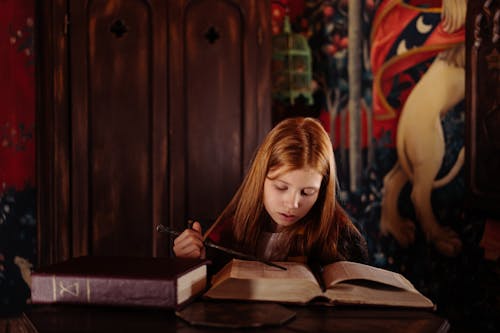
(88, 289)
(54, 292)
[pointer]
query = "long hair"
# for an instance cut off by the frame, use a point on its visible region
(294, 143)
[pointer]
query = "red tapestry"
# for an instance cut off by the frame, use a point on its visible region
(404, 35)
(17, 94)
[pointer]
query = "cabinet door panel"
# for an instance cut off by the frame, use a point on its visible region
(220, 64)
(213, 106)
(483, 111)
(151, 111)
(112, 68)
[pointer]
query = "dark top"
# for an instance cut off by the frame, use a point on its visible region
(351, 247)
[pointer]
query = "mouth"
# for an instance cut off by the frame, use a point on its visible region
(287, 217)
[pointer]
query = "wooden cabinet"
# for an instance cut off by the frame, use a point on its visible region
(483, 110)
(149, 112)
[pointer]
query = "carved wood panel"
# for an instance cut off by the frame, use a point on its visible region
(220, 101)
(151, 112)
(117, 118)
(483, 112)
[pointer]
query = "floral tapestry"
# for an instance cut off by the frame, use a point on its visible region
(17, 151)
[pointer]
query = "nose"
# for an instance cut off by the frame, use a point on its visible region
(292, 200)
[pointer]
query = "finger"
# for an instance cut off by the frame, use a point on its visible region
(189, 243)
(203, 253)
(197, 227)
(191, 238)
(188, 250)
(191, 252)
(195, 253)
(186, 235)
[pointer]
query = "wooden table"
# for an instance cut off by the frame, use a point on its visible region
(72, 319)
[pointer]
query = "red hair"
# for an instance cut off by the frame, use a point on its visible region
(295, 143)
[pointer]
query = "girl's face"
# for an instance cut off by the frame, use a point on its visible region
(289, 195)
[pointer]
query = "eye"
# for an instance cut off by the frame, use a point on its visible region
(308, 192)
(280, 187)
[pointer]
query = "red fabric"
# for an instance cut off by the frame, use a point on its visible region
(221, 233)
(278, 12)
(391, 18)
(17, 94)
(324, 118)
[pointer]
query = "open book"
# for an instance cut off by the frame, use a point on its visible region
(345, 283)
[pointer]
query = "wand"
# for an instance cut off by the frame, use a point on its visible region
(209, 243)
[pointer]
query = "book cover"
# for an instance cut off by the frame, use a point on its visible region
(345, 283)
(120, 281)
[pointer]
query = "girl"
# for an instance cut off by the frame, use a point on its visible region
(286, 208)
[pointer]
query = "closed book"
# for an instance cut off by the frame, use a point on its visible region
(120, 281)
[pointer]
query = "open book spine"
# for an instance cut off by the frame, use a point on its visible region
(103, 291)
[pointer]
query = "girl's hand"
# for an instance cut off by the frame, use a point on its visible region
(189, 244)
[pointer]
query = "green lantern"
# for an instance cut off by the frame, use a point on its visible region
(291, 66)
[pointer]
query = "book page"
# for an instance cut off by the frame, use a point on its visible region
(366, 293)
(353, 283)
(223, 274)
(346, 270)
(252, 280)
(191, 283)
(257, 270)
